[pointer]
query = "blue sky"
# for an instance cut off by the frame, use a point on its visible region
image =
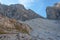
(39, 6)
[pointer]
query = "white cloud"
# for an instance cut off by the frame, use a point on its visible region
(8, 2)
(0, 0)
(26, 3)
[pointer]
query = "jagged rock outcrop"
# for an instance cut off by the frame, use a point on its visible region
(17, 11)
(11, 29)
(53, 12)
(8, 25)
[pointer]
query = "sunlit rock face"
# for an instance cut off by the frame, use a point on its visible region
(44, 29)
(11, 29)
(12, 26)
(57, 4)
(53, 12)
(18, 11)
(34, 28)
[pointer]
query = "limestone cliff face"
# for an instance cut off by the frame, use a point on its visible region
(17, 11)
(53, 12)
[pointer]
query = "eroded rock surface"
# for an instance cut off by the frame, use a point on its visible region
(8, 25)
(53, 12)
(15, 36)
(45, 29)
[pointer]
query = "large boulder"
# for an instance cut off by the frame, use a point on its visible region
(53, 12)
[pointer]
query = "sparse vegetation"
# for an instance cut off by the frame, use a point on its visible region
(20, 28)
(8, 25)
(2, 32)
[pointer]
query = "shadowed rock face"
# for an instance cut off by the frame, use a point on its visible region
(17, 11)
(53, 12)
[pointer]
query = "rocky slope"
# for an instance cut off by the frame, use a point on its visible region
(44, 29)
(16, 36)
(12, 26)
(11, 29)
(41, 29)
(53, 12)
(32, 26)
(18, 11)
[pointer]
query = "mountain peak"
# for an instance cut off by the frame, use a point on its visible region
(18, 11)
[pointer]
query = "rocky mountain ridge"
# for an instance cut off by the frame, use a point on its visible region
(18, 23)
(18, 12)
